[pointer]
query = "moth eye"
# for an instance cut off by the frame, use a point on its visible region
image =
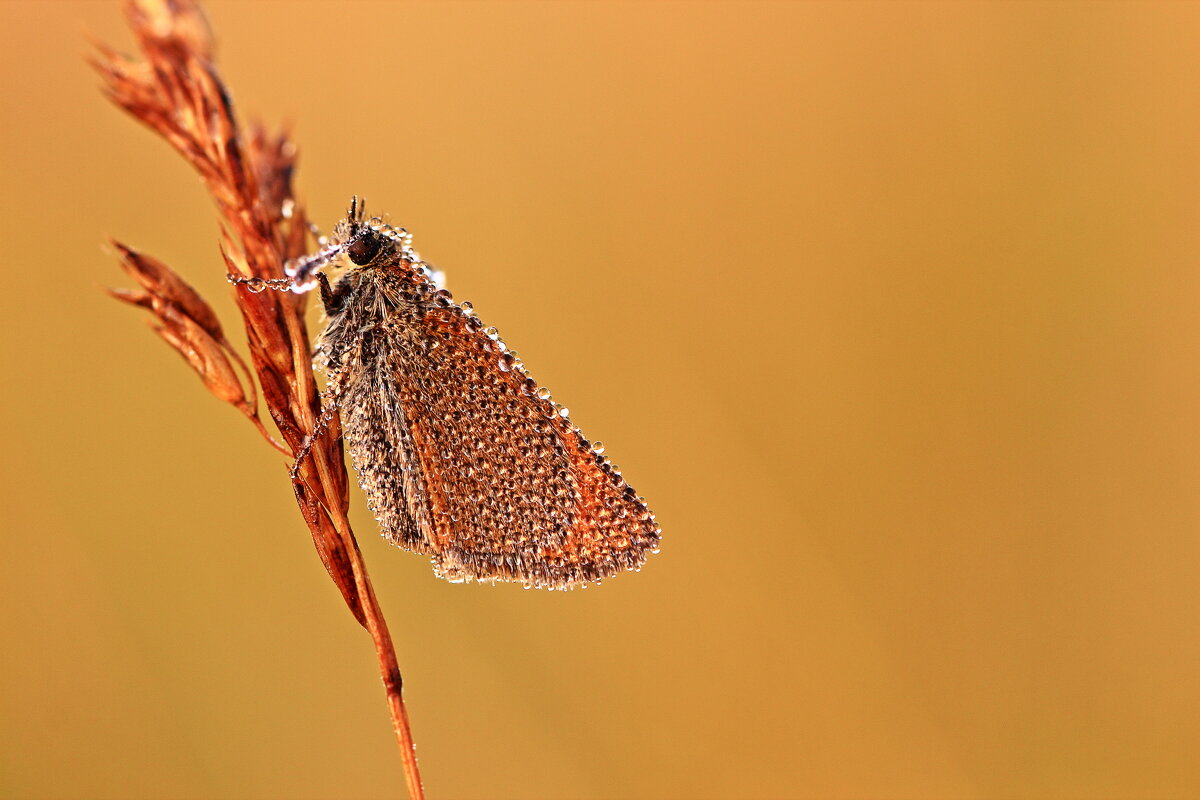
(363, 249)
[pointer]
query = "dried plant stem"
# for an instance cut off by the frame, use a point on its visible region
(373, 621)
(175, 91)
(389, 668)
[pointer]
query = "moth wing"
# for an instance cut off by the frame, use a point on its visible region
(382, 452)
(497, 482)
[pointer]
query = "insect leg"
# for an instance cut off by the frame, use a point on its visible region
(299, 272)
(301, 269)
(330, 400)
(332, 298)
(256, 285)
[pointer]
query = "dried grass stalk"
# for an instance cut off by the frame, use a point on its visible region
(175, 90)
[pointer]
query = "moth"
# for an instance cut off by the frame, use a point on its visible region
(461, 454)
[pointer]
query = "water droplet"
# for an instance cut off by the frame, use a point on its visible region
(543, 393)
(597, 447)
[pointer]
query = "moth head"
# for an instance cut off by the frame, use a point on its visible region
(364, 245)
(363, 239)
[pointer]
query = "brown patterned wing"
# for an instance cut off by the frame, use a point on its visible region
(382, 451)
(497, 483)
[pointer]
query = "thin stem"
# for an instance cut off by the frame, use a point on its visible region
(389, 665)
(177, 92)
(389, 669)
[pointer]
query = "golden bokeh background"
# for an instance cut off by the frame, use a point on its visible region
(892, 310)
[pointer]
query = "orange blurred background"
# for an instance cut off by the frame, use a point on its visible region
(890, 309)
